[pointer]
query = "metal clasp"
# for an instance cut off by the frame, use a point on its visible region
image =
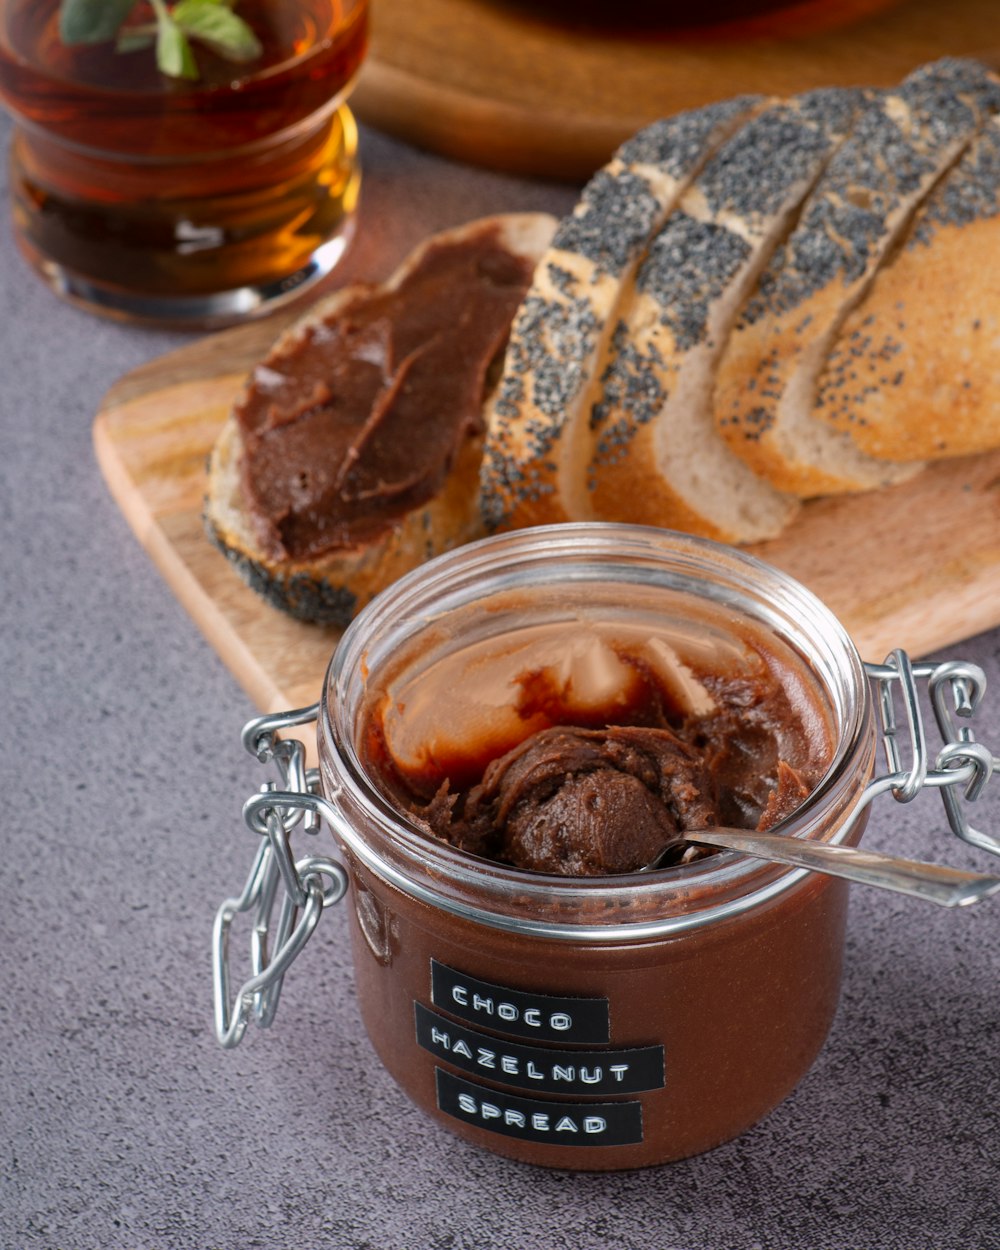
(962, 766)
(273, 814)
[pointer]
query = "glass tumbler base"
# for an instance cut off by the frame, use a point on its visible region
(203, 311)
(187, 244)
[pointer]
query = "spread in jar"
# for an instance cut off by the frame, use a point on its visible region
(357, 420)
(623, 745)
(505, 735)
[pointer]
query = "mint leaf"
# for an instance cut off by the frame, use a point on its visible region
(92, 21)
(214, 24)
(211, 22)
(173, 52)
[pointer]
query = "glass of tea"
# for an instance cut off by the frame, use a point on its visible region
(194, 194)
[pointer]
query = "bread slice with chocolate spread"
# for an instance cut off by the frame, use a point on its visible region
(353, 453)
(902, 145)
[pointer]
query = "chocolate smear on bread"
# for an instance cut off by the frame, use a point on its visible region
(359, 420)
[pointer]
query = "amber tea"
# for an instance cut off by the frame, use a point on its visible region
(176, 200)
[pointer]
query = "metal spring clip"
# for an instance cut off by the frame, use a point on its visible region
(273, 813)
(960, 771)
(962, 766)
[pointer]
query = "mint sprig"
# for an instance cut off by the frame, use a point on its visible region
(172, 30)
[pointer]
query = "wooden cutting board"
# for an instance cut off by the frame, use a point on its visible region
(917, 566)
(487, 82)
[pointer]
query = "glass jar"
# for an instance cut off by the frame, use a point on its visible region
(594, 1023)
(193, 201)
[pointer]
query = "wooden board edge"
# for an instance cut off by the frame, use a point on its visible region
(489, 134)
(875, 641)
(234, 653)
(244, 344)
(420, 81)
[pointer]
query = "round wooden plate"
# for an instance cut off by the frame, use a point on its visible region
(491, 85)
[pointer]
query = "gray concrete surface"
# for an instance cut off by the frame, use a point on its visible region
(124, 1126)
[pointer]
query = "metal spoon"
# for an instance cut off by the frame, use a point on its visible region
(949, 887)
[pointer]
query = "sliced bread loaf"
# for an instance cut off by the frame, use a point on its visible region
(353, 453)
(915, 368)
(563, 326)
(656, 457)
(903, 143)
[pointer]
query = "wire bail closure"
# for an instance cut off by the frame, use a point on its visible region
(962, 766)
(960, 770)
(273, 813)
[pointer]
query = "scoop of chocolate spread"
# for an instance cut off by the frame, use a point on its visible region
(357, 420)
(581, 802)
(595, 802)
(598, 786)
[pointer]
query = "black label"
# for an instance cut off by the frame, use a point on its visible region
(538, 1068)
(519, 1013)
(556, 1123)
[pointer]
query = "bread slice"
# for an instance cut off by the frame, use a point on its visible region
(332, 585)
(766, 384)
(915, 369)
(656, 457)
(563, 326)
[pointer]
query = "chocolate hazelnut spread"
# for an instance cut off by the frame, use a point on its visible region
(358, 420)
(609, 787)
(593, 1021)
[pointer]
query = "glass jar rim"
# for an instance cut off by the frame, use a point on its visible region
(593, 907)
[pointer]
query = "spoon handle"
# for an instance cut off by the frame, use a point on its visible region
(949, 887)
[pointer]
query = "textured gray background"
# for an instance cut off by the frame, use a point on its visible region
(124, 1126)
